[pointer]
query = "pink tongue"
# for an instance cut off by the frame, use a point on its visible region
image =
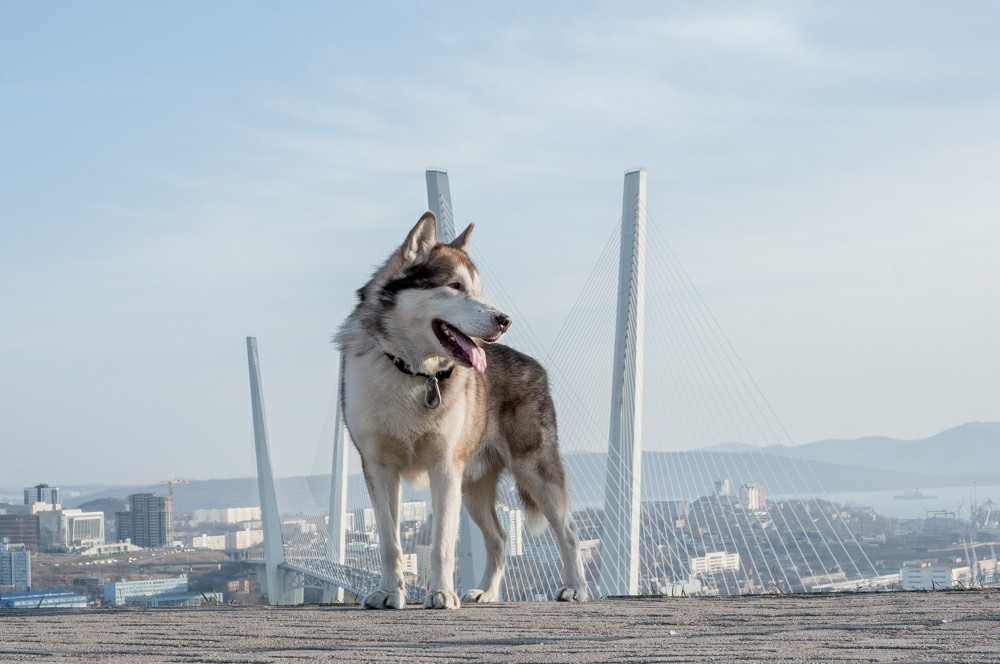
(479, 359)
(475, 354)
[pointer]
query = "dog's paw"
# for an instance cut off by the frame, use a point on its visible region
(479, 596)
(442, 599)
(572, 594)
(385, 599)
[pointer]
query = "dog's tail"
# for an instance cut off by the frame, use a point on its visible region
(534, 520)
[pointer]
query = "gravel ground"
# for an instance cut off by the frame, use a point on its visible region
(885, 627)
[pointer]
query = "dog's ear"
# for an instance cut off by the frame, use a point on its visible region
(420, 241)
(462, 241)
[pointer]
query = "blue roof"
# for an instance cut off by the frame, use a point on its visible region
(37, 594)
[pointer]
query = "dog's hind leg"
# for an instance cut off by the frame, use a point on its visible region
(541, 481)
(480, 497)
(446, 501)
(384, 487)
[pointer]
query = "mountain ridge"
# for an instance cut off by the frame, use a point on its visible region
(835, 466)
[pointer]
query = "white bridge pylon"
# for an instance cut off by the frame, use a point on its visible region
(620, 534)
(283, 586)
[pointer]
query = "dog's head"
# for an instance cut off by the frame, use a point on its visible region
(431, 297)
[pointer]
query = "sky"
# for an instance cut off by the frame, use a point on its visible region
(178, 176)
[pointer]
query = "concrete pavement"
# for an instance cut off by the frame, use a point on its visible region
(884, 627)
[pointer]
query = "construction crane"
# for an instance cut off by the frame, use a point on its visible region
(171, 483)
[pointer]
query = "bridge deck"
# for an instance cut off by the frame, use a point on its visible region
(891, 627)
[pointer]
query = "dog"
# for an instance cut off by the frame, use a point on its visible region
(427, 393)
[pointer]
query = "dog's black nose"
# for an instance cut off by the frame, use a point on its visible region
(504, 321)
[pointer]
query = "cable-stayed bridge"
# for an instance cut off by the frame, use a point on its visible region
(651, 397)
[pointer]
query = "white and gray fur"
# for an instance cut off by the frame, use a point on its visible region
(487, 422)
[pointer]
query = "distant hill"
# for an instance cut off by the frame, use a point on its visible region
(311, 494)
(956, 457)
(968, 448)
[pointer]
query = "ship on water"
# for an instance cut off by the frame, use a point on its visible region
(913, 494)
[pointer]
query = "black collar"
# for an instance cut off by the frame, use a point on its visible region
(401, 364)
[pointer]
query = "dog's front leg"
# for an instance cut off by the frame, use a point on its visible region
(446, 500)
(383, 484)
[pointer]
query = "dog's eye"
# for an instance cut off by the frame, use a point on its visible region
(456, 286)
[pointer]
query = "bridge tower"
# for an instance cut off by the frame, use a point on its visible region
(336, 541)
(471, 546)
(283, 586)
(620, 535)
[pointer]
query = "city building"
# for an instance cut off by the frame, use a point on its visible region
(20, 529)
(512, 522)
(226, 515)
(293, 527)
(172, 591)
(42, 493)
(70, 529)
(953, 573)
(83, 529)
(15, 567)
(717, 561)
(752, 498)
(676, 588)
(210, 542)
(244, 539)
(364, 520)
(123, 592)
(722, 487)
(43, 599)
(413, 510)
(411, 564)
(148, 522)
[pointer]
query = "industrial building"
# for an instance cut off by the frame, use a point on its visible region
(43, 599)
(172, 591)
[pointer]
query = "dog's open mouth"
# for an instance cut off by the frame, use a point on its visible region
(460, 347)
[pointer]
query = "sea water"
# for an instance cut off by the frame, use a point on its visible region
(951, 499)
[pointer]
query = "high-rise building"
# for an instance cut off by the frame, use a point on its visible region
(512, 522)
(148, 522)
(15, 567)
(752, 498)
(41, 493)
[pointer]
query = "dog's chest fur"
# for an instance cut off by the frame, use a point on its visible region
(389, 422)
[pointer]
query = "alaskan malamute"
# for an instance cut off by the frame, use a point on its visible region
(427, 392)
